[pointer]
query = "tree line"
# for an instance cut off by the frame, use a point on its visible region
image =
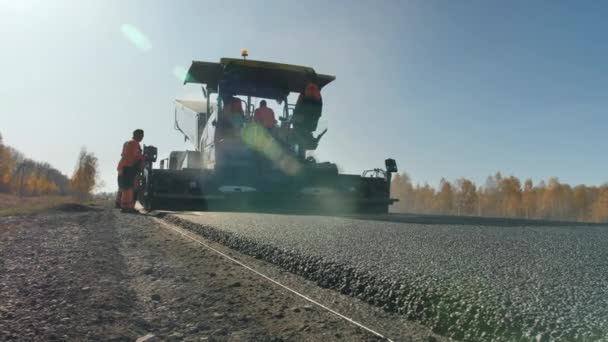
(503, 196)
(25, 177)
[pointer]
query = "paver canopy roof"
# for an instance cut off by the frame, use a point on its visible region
(250, 77)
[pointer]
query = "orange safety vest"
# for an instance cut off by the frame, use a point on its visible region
(131, 155)
(265, 115)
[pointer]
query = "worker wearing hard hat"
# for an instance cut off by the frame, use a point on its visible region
(265, 115)
(131, 163)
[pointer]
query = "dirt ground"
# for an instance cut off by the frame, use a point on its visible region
(13, 205)
(93, 274)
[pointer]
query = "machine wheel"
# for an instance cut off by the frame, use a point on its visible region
(144, 193)
(147, 202)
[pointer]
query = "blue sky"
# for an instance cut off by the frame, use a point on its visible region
(448, 88)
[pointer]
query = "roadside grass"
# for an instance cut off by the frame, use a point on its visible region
(11, 205)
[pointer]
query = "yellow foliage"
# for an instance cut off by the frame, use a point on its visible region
(84, 178)
(26, 177)
(599, 211)
(503, 197)
(7, 165)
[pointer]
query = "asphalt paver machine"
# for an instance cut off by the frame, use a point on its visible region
(238, 164)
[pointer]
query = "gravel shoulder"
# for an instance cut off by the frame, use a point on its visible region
(62, 278)
(94, 274)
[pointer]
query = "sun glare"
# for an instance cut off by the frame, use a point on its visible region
(180, 72)
(18, 6)
(136, 37)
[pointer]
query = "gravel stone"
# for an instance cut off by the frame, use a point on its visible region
(148, 338)
(81, 276)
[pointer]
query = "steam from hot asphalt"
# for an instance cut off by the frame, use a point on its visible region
(465, 281)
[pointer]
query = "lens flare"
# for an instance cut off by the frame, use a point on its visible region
(259, 139)
(180, 72)
(136, 37)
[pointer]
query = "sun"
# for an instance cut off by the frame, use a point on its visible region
(19, 6)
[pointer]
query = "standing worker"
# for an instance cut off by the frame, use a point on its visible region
(265, 115)
(131, 163)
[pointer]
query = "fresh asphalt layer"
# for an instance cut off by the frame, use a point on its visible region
(469, 282)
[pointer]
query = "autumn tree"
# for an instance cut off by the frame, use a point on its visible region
(510, 196)
(467, 201)
(445, 197)
(489, 196)
(85, 174)
(424, 199)
(557, 201)
(599, 211)
(583, 198)
(21, 177)
(26, 177)
(7, 165)
(45, 185)
(402, 189)
(528, 199)
(503, 197)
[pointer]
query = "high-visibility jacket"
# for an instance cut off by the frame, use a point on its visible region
(265, 115)
(131, 155)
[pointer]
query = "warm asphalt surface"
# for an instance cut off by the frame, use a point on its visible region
(471, 282)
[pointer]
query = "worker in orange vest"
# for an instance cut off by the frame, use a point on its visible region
(131, 163)
(265, 115)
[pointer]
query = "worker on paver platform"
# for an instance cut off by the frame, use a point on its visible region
(235, 113)
(131, 163)
(265, 115)
(306, 114)
(232, 119)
